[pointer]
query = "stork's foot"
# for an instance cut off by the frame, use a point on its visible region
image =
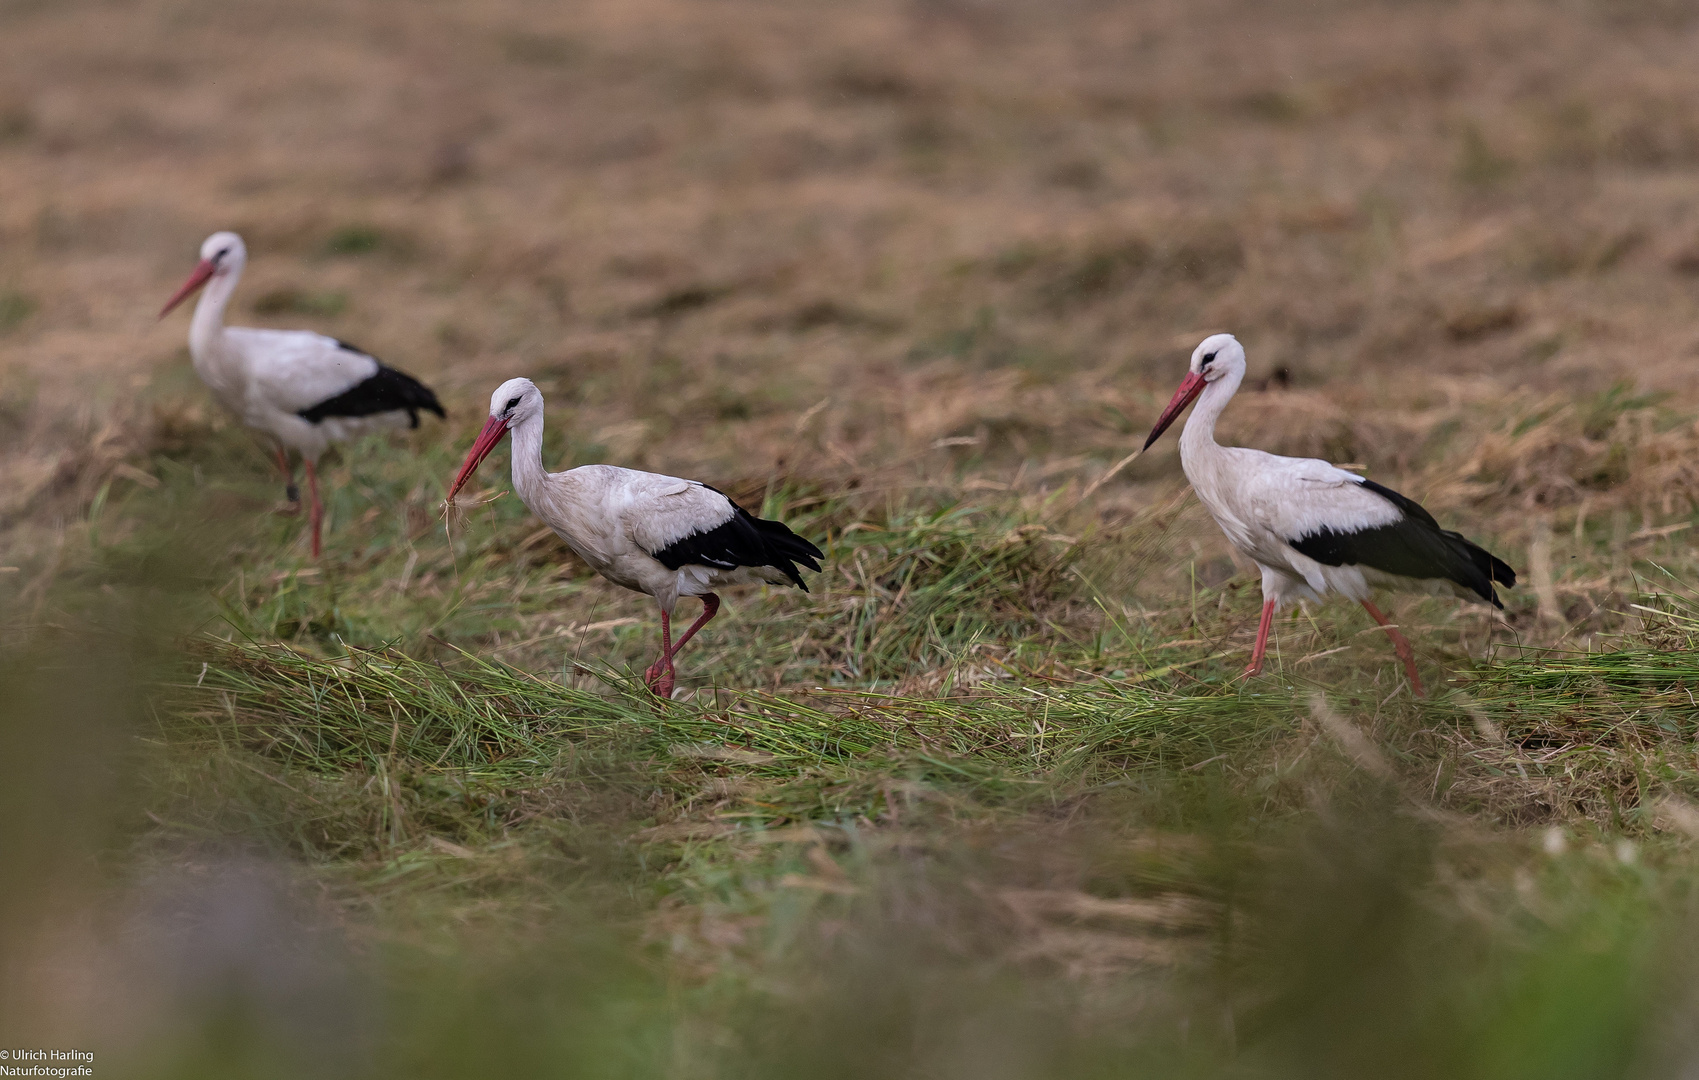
(658, 677)
(1253, 669)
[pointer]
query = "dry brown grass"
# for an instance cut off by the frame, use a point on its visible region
(930, 240)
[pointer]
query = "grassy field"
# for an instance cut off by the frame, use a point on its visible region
(990, 800)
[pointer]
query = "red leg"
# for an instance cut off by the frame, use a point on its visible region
(1400, 646)
(290, 491)
(318, 507)
(1263, 627)
(659, 675)
(710, 608)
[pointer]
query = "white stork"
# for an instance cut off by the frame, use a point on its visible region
(304, 390)
(1311, 527)
(654, 534)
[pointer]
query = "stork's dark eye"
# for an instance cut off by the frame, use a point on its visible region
(510, 405)
(222, 252)
(1207, 358)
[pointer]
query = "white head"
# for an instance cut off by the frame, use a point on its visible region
(225, 251)
(1219, 356)
(514, 402)
(222, 255)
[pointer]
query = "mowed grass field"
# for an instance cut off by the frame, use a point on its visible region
(990, 800)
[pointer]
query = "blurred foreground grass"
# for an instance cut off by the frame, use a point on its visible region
(988, 802)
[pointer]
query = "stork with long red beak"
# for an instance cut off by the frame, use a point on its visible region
(1311, 527)
(654, 534)
(303, 390)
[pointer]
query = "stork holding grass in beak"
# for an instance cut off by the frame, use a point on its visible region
(302, 389)
(654, 534)
(1314, 528)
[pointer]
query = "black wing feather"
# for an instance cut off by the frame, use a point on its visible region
(744, 540)
(389, 390)
(1413, 547)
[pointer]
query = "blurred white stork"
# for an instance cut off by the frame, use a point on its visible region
(304, 390)
(1311, 527)
(654, 534)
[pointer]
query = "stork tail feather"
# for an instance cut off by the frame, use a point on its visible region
(1412, 547)
(389, 390)
(744, 540)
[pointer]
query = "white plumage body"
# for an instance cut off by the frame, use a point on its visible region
(1263, 501)
(614, 519)
(267, 378)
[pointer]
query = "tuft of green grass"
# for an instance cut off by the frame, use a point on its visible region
(15, 307)
(292, 301)
(1479, 165)
(360, 239)
(483, 719)
(542, 50)
(927, 586)
(17, 122)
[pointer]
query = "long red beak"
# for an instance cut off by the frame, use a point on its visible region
(1188, 392)
(203, 271)
(494, 429)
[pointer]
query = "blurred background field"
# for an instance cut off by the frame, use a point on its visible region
(988, 801)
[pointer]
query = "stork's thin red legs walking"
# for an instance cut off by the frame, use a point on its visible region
(654, 678)
(659, 675)
(290, 491)
(1255, 666)
(318, 507)
(710, 608)
(1400, 646)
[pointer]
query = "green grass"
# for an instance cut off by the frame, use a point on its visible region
(808, 757)
(990, 792)
(15, 309)
(289, 300)
(357, 240)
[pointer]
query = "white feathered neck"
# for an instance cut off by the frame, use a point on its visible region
(1198, 436)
